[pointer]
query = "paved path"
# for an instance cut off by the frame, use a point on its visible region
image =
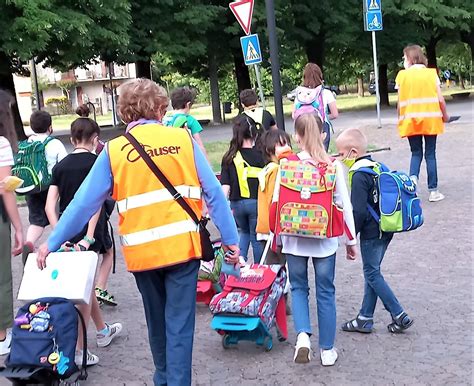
(429, 269)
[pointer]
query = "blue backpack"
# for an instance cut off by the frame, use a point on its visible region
(400, 206)
(45, 334)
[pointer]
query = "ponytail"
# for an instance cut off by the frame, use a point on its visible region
(309, 128)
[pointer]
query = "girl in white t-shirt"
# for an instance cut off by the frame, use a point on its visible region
(299, 250)
(324, 101)
(8, 214)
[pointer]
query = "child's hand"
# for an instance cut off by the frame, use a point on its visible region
(351, 252)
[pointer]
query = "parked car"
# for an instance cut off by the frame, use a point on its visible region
(390, 85)
(335, 90)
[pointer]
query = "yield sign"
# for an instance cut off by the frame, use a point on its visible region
(243, 11)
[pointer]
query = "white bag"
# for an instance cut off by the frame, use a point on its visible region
(67, 275)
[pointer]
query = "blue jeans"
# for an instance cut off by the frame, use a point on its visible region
(245, 214)
(373, 251)
(325, 296)
(169, 300)
(416, 146)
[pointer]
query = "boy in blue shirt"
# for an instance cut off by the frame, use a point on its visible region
(352, 149)
(182, 100)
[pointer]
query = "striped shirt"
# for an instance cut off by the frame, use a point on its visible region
(6, 153)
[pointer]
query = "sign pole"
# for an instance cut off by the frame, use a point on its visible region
(259, 83)
(376, 72)
(275, 62)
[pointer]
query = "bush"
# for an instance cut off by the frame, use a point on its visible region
(60, 103)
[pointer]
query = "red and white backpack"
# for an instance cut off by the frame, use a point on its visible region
(305, 207)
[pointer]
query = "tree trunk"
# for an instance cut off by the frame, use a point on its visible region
(214, 84)
(468, 38)
(6, 83)
(143, 68)
(431, 52)
(461, 80)
(241, 73)
(383, 85)
(360, 87)
(315, 50)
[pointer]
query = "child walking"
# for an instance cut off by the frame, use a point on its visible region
(8, 215)
(239, 178)
(275, 145)
(352, 148)
(67, 177)
(41, 124)
(309, 136)
(182, 100)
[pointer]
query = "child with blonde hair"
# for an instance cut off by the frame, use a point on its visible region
(309, 136)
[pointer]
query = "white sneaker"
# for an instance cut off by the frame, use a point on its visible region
(328, 357)
(414, 179)
(92, 359)
(114, 331)
(435, 195)
(302, 348)
(5, 345)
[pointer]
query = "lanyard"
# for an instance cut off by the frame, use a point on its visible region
(141, 121)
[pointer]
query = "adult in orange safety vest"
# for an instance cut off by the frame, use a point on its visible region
(421, 114)
(160, 242)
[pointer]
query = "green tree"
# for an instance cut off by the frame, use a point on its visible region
(62, 33)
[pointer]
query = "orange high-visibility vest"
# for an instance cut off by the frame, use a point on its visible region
(154, 229)
(418, 103)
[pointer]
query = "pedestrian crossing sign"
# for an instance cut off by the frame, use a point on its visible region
(251, 49)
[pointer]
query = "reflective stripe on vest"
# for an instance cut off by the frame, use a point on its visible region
(244, 172)
(149, 198)
(420, 115)
(158, 233)
(414, 101)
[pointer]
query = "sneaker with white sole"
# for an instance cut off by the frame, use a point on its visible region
(302, 348)
(92, 359)
(435, 196)
(5, 345)
(328, 357)
(103, 340)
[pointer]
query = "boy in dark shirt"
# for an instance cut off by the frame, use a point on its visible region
(263, 120)
(352, 149)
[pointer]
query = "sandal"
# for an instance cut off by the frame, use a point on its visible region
(400, 324)
(358, 325)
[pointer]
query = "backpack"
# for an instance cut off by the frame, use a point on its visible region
(305, 206)
(244, 172)
(308, 101)
(45, 334)
(400, 206)
(256, 115)
(256, 292)
(32, 167)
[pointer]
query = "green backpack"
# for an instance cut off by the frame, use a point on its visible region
(32, 167)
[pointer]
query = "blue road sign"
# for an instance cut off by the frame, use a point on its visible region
(251, 49)
(447, 74)
(372, 5)
(373, 21)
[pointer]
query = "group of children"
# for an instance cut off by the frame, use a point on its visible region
(66, 173)
(250, 179)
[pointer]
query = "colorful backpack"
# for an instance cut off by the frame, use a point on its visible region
(400, 206)
(32, 167)
(256, 292)
(305, 206)
(309, 101)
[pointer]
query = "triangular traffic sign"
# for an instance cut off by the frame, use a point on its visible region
(243, 11)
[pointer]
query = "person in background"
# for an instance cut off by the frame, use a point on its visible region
(161, 243)
(261, 118)
(182, 100)
(240, 167)
(41, 124)
(421, 114)
(101, 292)
(324, 99)
(8, 215)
